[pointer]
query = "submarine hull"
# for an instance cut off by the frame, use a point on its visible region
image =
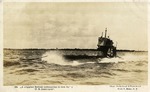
(81, 57)
(89, 54)
(82, 54)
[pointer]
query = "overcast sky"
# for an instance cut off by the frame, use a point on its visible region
(74, 25)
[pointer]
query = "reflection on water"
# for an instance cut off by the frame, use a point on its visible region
(45, 67)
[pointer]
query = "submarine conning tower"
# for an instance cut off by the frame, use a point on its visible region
(105, 45)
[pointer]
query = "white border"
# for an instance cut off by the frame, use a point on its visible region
(76, 88)
(75, 0)
(1, 44)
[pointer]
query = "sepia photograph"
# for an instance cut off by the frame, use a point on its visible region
(75, 43)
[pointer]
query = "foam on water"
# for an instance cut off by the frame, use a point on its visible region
(110, 60)
(56, 58)
(124, 58)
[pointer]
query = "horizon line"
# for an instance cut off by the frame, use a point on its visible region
(70, 49)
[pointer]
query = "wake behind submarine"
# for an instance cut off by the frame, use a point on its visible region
(105, 48)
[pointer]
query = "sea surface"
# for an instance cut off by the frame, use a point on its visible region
(48, 67)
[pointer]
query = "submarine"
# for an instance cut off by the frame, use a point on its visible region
(105, 48)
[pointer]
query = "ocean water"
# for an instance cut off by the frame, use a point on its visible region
(46, 67)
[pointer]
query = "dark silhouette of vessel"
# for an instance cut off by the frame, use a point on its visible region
(105, 45)
(105, 48)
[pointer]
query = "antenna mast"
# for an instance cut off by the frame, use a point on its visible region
(105, 32)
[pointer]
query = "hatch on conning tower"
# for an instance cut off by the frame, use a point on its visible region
(105, 44)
